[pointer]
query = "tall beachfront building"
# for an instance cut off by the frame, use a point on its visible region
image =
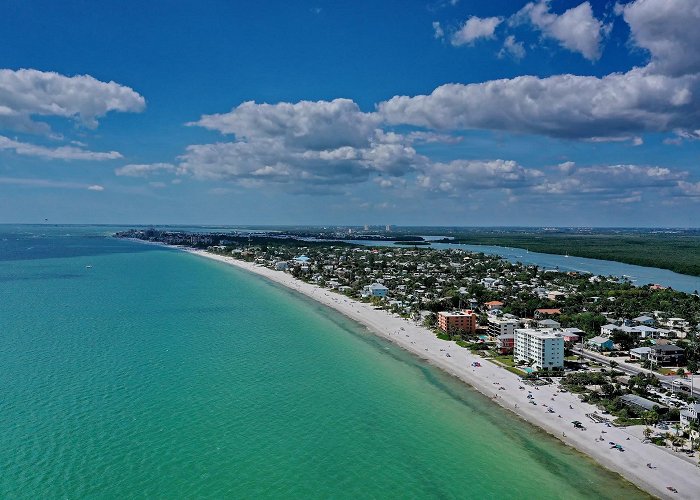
(457, 321)
(502, 326)
(544, 348)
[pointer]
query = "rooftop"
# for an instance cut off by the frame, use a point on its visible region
(634, 400)
(547, 333)
(466, 312)
(666, 348)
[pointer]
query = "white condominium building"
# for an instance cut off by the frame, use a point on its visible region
(544, 348)
(502, 326)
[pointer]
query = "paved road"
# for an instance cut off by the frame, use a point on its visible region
(666, 380)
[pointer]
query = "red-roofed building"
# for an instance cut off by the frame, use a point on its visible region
(494, 304)
(546, 313)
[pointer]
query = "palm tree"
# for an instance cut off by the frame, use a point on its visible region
(648, 432)
(676, 442)
(667, 436)
(677, 428)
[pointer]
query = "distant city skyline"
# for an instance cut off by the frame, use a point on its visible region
(402, 113)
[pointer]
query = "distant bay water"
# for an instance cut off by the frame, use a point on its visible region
(154, 373)
(639, 275)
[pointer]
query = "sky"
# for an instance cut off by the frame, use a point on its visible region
(406, 112)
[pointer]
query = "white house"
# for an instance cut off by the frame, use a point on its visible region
(644, 320)
(640, 353)
(647, 332)
(375, 290)
(607, 330)
(690, 413)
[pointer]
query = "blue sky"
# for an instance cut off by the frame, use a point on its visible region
(436, 112)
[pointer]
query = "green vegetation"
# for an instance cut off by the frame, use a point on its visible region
(517, 371)
(677, 252)
(505, 360)
(624, 422)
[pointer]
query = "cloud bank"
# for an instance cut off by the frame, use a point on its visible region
(27, 93)
(307, 145)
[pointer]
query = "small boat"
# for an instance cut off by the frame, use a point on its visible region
(88, 266)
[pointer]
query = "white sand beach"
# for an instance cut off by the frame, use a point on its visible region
(505, 389)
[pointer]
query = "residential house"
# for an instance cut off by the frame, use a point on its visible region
(666, 354)
(644, 320)
(600, 344)
(548, 323)
(572, 335)
(494, 304)
(690, 414)
(607, 330)
(555, 295)
(505, 343)
(641, 403)
(375, 290)
(544, 312)
(640, 353)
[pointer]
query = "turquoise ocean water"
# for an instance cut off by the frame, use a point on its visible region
(163, 375)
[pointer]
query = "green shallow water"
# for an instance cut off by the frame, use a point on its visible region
(160, 374)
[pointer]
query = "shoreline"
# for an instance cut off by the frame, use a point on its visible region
(503, 387)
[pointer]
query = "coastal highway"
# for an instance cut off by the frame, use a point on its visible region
(666, 380)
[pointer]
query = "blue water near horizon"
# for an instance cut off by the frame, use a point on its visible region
(638, 275)
(138, 371)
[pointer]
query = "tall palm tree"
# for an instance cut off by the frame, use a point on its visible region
(676, 442)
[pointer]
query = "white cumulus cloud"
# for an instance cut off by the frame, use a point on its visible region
(460, 176)
(669, 31)
(144, 170)
(567, 106)
(475, 28)
(324, 142)
(59, 153)
(27, 93)
(611, 180)
(576, 29)
(512, 48)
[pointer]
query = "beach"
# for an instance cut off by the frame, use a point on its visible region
(507, 390)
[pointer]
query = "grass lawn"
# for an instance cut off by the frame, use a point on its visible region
(505, 360)
(515, 370)
(667, 371)
(508, 364)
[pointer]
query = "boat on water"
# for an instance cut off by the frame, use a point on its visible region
(88, 266)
